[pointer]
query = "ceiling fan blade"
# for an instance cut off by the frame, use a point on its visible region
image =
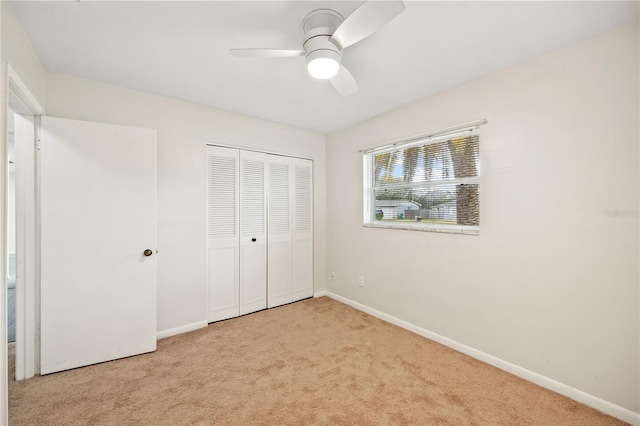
(344, 83)
(366, 20)
(267, 53)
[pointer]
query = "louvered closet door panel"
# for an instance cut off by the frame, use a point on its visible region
(302, 228)
(280, 231)
(253, 231)
(223, 233)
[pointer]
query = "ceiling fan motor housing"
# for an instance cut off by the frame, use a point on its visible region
(318, 27)
(326, 33)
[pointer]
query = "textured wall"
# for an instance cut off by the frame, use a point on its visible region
(183, 131)
(551, 283)
(18, 52)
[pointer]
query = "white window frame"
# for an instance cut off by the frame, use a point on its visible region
(369, 190)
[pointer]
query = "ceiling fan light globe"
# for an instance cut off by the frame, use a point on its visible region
(323, 68)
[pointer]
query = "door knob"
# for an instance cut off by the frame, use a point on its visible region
(147, 252)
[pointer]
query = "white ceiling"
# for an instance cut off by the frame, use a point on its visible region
(180, 50)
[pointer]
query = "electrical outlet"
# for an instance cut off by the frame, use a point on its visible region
(333, 276)
(361, 281)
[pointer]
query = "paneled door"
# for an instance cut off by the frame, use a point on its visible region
(302, 228)
(260, 242)
(223, 247)
(98, 242)
(253, 231)
(280, 232)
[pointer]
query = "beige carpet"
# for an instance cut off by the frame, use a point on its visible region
(313, 362)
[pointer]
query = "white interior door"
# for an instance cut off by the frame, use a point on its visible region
(302, 228)
(223, 250)
(98, 216)
(253, 231)
(280, 251)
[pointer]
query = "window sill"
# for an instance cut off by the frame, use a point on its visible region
(447, 229)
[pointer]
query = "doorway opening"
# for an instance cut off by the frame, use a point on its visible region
(20, 247)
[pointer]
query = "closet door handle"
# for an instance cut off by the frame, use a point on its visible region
(254, 240)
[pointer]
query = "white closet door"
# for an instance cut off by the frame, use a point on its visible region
(280, 251)
(253, 231)
(223, 233)
(302, 228)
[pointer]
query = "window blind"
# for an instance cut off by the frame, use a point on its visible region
(422, 184)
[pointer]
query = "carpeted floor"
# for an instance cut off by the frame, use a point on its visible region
(312, 362)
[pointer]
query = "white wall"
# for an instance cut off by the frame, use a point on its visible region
(15, 50)
(18, 52)
(551, 283)
(183, 131)
(4, 409)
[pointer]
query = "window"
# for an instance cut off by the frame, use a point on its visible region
(430, 184)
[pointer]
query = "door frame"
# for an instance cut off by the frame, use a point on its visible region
(20, 99)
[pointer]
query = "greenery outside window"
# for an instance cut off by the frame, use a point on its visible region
(429, 184)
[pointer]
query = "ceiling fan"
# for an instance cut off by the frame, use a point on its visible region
(327, 33)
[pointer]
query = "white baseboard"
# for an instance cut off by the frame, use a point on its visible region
(544, 381)
(179, 330)
(196, 325)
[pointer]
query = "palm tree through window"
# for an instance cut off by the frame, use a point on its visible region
(431, 183)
